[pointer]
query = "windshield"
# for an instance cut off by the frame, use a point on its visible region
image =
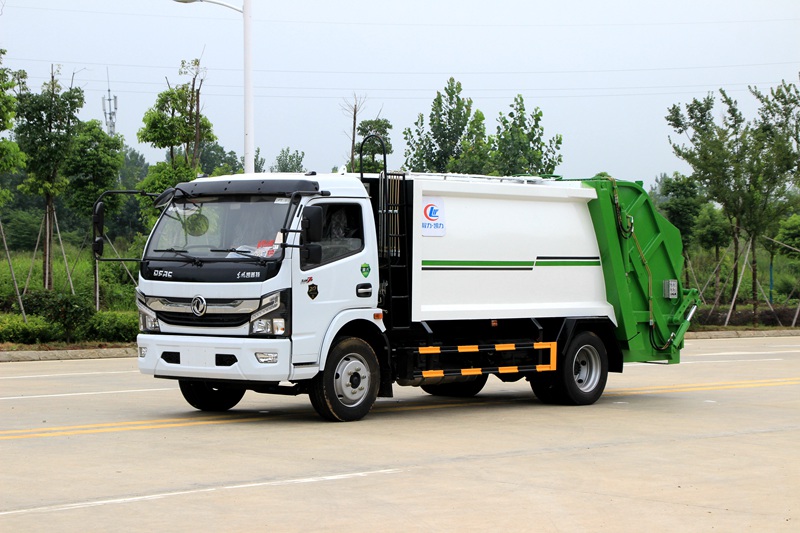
(220, 227)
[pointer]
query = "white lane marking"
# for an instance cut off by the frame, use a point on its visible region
(156, 496)
(773, 352)
(81, 394)
(71, 374)
(729, 361)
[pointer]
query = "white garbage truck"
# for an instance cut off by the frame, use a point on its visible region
(341, 286)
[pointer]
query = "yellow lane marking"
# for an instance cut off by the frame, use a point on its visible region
(94, 429)
(112, 427)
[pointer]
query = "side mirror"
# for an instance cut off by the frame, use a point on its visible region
(98, 218)
(312, 223)
(97, 246)
(164, 198)
(311, 254)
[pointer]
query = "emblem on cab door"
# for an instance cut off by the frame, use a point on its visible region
(198, 306)
(365, 270)
(313, 291)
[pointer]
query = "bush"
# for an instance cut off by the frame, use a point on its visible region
(38, 330)
(113, 326)
(70, 311)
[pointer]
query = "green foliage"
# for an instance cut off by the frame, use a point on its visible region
(38, 330)
(520, 145)
(456, 140)
(92, 167)
(372, 151)
(286, 161)
(789, 234)
(160, 177)
(46, 126)
(430, 150)
(175, 120)
(215, 161)
(69, 311)
(712, 229)
(680, 201)
(11, 158)
(113, 326)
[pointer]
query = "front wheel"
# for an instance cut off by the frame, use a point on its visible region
(206, 397)
(346, 390)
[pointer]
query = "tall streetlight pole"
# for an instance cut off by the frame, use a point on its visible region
(249, 138)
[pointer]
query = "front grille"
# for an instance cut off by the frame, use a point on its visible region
(209, 320)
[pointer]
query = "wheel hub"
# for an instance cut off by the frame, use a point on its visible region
(351, 381)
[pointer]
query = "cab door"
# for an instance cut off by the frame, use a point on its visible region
(346, 278)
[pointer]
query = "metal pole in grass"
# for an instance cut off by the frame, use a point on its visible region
(13, 277)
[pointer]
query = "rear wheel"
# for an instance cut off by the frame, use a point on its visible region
(580, 376)
(208, 397)
(457, 389)
(346, 390)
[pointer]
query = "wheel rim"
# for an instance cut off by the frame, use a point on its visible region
(586, 368)
(351, 382)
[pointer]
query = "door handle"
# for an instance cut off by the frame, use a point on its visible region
(364, 290)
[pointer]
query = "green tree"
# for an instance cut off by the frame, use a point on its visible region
(11, 158)
(134, 168)
(92, 167)
(286, 161)
(431, 149)
(745, 166)
(46, 127)
(712, 230)
(215, 161)
(520, 147)
(372, 151)
(476, 149)
(175, 120)
(680, 203)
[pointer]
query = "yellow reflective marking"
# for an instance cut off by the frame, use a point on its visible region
(468, 348)
(471, 371)
(505, 347)
(553, 349)
(508, 369)
(433, 373)
(429, 349)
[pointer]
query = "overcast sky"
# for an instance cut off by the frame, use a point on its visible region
(603, 73)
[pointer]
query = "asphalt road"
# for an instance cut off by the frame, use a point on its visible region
(712, 444)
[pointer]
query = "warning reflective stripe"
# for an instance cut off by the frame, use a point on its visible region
(433, 373)
(429, 349)
(553, 354)
(471, 371)
(505, 347)
(471, 348)
(508, 369)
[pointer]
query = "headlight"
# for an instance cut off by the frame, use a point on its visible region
(148, 322)
(272, 317)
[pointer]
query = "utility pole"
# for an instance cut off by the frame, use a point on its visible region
(110, 113)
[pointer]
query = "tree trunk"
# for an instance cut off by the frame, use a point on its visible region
(719, 273)
(754, 268)
(735, 266)
(47, 246)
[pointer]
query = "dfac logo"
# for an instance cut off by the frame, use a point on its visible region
(431, 212)
(198, 305)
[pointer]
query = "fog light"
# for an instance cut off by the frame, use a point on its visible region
(266, 357)
(142, 351)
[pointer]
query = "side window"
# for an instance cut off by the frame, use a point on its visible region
(342, 231)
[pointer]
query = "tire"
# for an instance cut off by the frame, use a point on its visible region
(346, 390)
(580, 376)
(457, 389)
(545, 388)
(206, 397)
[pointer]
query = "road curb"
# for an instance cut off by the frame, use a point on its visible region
(61, 355)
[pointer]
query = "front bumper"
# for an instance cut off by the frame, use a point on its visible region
(229, 358)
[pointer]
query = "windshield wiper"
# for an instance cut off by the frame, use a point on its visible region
(196, 261)
(260, 258)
